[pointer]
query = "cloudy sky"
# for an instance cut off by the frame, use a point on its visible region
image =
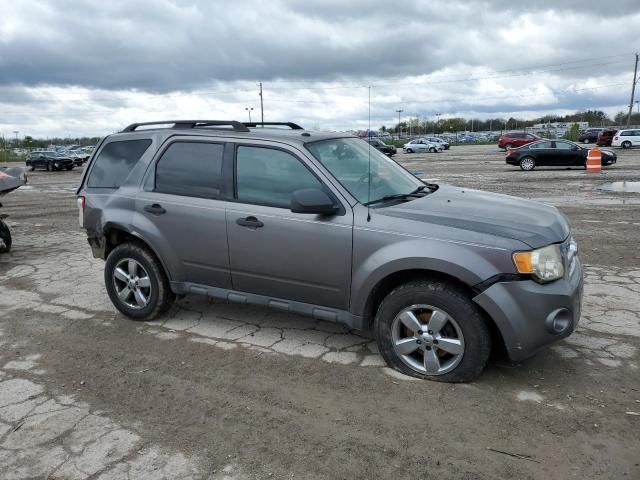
(71, 68)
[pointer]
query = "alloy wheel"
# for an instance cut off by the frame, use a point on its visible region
(427, 339)
(527, 163)
(132, 283)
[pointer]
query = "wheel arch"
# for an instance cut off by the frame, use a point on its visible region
(116, 234)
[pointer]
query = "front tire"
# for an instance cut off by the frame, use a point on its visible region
(136, 282)
(5, 238)
(527, 164)
(626, 144)
(431, 329)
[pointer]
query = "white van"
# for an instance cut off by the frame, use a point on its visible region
(626, 138)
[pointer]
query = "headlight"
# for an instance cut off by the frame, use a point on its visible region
(544, 263)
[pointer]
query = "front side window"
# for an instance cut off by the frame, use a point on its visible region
(115, 161)
(349, 161)
(266, 176)
(191, 169)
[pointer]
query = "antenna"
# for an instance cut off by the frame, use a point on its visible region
(369, 142)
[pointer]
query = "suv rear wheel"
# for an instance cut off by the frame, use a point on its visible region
(136, 282)
(431, 329)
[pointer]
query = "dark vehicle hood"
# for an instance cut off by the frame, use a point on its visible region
(11, 178)
(533, 223)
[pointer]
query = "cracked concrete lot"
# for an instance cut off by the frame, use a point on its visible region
(219, 391)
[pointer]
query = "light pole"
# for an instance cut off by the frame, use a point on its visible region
(399, 112)
(249, 110)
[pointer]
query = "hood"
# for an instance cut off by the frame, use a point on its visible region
(533, 223)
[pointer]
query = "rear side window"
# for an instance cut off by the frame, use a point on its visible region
(191, 169)
(115, 162)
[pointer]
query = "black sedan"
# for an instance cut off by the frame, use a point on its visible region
(49, 161)
(389, 150)
(553, 153)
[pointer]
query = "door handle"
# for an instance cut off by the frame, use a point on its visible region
(155, 209)
(251, 222)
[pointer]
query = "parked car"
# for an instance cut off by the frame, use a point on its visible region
(381, 146)
(516, 139)
(49, 160)
(605, 137)
(589, 135)
(626, 138)
(554, 153)
(422, 145)
(440, 140)
(77, 157)
(322, 225)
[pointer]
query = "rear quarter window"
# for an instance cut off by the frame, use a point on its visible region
(115, 161)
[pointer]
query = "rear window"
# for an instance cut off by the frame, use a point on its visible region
(115, 162)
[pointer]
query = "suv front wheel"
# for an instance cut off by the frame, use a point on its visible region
(431, 329)
(136, 282)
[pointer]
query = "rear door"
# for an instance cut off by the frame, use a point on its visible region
(182, 208)
(275, 252)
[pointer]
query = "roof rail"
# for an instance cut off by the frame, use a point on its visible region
(237, 126)
(291, 125)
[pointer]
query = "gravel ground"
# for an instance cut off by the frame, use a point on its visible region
(222, 391)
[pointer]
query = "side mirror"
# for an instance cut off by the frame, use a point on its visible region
(313, 201)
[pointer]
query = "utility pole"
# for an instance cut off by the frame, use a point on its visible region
(399, 112)
(261, 106)
(633, 90)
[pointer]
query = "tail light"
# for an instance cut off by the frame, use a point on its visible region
(81, 211)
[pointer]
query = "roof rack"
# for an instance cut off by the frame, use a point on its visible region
(291, 125)
(237, 126)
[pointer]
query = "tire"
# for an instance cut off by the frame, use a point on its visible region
(463, 326)
(158, 294)
(5, 238)
(626, 144)
(527, 164)
(409, 150)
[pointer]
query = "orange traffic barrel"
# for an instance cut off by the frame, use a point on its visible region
(594, 160)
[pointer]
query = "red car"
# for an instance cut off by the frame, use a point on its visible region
(516, 139)
(606, 136)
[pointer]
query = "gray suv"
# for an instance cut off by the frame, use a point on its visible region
(324, 225)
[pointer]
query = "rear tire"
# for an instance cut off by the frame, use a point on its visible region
(527, 164)
(5, 238)
(451, 319)
(136, 282)
(626, 144)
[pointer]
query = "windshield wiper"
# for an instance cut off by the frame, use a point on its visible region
(399, 196)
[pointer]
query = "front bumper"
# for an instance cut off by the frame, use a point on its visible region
(530, 315)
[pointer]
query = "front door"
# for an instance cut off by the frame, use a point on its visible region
(275, 252)
(181, 212)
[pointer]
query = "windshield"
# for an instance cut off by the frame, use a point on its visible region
(348, 161)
